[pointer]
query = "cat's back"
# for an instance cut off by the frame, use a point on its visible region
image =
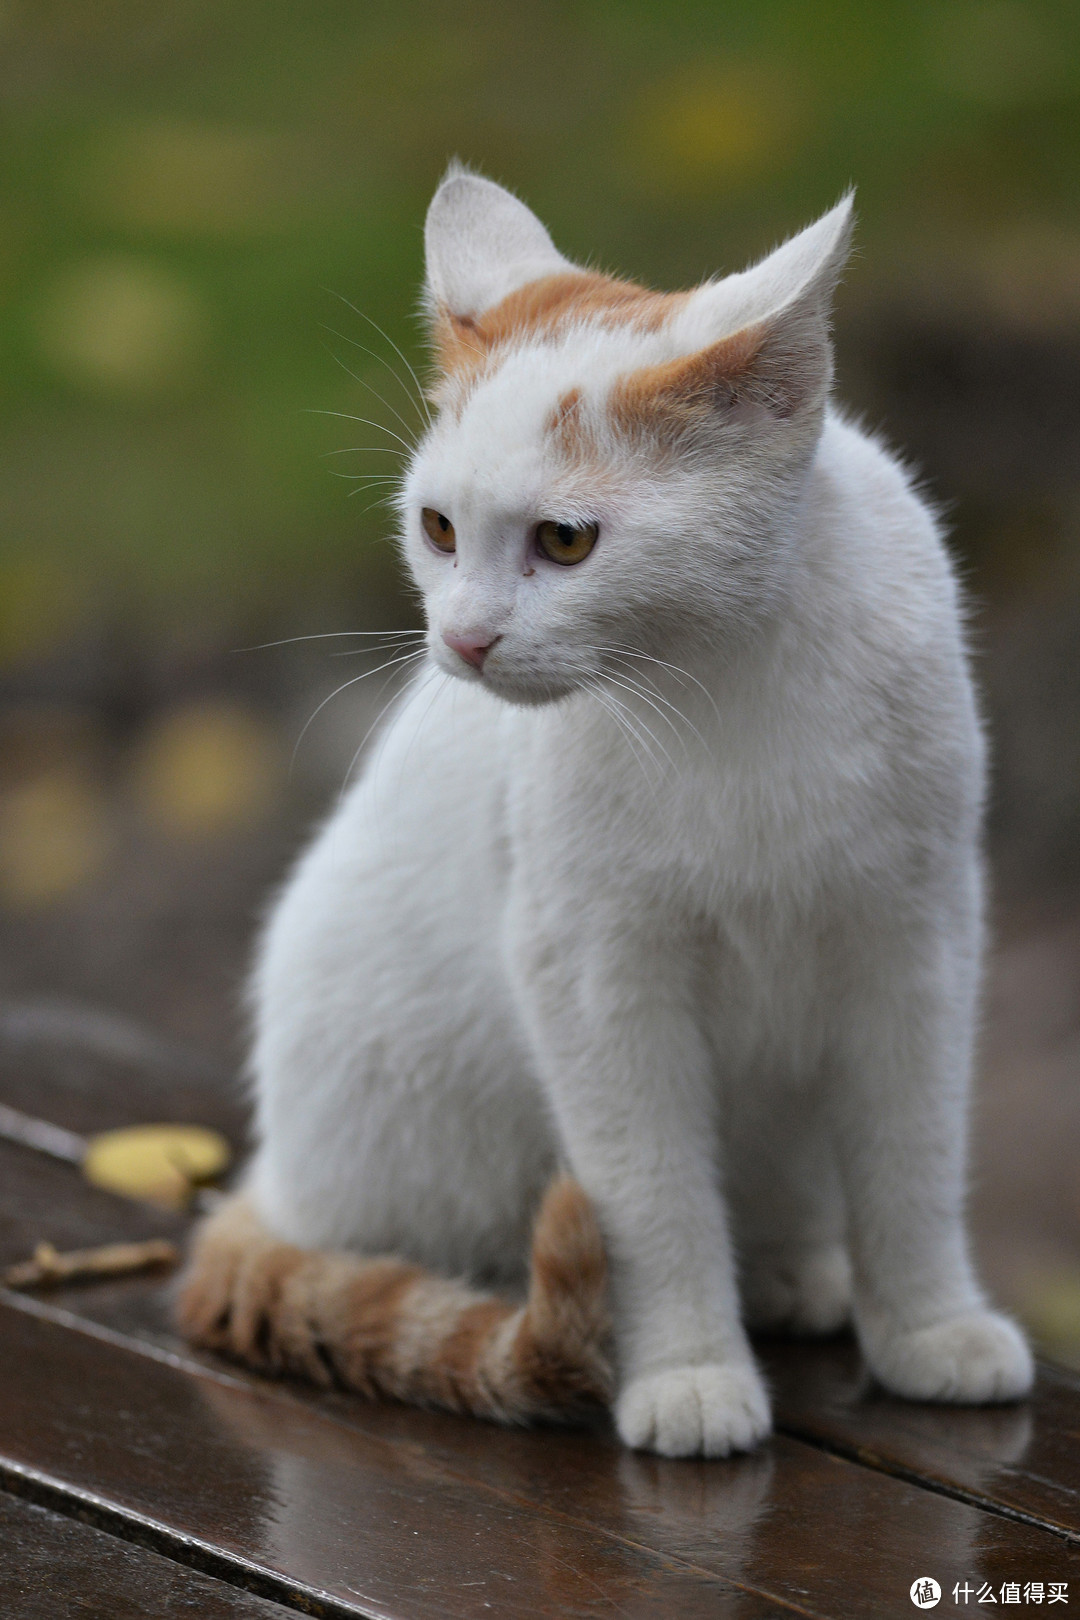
(883, 610)
(876, 532)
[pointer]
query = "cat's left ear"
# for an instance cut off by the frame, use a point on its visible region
(757, 338)
(482, 244)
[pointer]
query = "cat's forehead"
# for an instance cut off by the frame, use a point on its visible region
(521, 421)
(518, 383)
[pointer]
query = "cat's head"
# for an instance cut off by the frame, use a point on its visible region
(609, 467)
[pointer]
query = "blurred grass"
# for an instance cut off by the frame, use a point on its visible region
(184, 191)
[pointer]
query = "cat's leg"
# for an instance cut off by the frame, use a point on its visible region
(794, 1270)
(629, 1075)
(901, 1105)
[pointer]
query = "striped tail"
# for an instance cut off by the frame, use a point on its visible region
(386, 1328)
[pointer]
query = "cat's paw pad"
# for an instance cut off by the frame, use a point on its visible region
(707, 1411)
(798, 1288)
(978, 1357)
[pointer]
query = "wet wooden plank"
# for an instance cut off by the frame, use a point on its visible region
(1025, 1458)
(85, 1091)
(1021, 1459)
(52, 1566)
(404, 1513)
(262, 1485)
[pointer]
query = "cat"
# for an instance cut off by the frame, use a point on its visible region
(662, 890)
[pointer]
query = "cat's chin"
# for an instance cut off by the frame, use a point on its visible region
(521, 692)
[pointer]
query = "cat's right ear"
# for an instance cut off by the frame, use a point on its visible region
(481, 244)
(758, 339)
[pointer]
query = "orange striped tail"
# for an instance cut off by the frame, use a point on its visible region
(383, 1327)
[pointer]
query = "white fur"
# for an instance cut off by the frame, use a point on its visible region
(720, 956)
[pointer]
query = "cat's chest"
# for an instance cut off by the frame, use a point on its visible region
(718, 835)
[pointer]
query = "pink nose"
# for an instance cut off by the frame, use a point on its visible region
(472, 648)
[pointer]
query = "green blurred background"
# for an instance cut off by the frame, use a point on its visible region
(198, 201)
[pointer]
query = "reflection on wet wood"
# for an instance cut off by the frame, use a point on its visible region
(52, 1565)
(1025, 1458)
(406, 1522)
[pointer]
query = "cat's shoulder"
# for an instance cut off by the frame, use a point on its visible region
(875, 505)
(878, 548)
(859, 465)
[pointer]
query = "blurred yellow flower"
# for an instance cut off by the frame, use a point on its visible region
(54, 837)
(190, 178)
(714, 124)
(207, 768)
(121, 324)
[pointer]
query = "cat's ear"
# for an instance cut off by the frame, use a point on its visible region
(774, 350)
(481, 244)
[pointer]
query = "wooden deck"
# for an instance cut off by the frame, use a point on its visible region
(138, 1478)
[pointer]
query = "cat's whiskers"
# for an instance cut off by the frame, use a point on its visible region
(651, 690)
(418, 637)
(637, 691)
(628, 724)
(405, 658)
(358, 449)
(330, 635)
(388, 339)
(380, 427)
(406, 390)
(409, 429)
(384, 500)
(675, 669)
(391, 700)
(440, 679)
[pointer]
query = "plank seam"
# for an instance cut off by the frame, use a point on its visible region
(138, 1529)
(871, 1460)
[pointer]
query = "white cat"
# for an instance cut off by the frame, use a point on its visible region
(675, 882)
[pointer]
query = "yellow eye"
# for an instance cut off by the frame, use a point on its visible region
(439, 529)
(566, 543)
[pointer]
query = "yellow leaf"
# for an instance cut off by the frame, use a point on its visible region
(162, 1164)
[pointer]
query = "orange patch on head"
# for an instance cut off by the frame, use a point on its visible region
(667, 399)
(543, 309)
(566, 426)
(567, 407)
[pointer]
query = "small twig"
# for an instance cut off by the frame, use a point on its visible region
(49, 1267)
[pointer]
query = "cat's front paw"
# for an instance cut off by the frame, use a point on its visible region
(707, 1411)
(975, 1358)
